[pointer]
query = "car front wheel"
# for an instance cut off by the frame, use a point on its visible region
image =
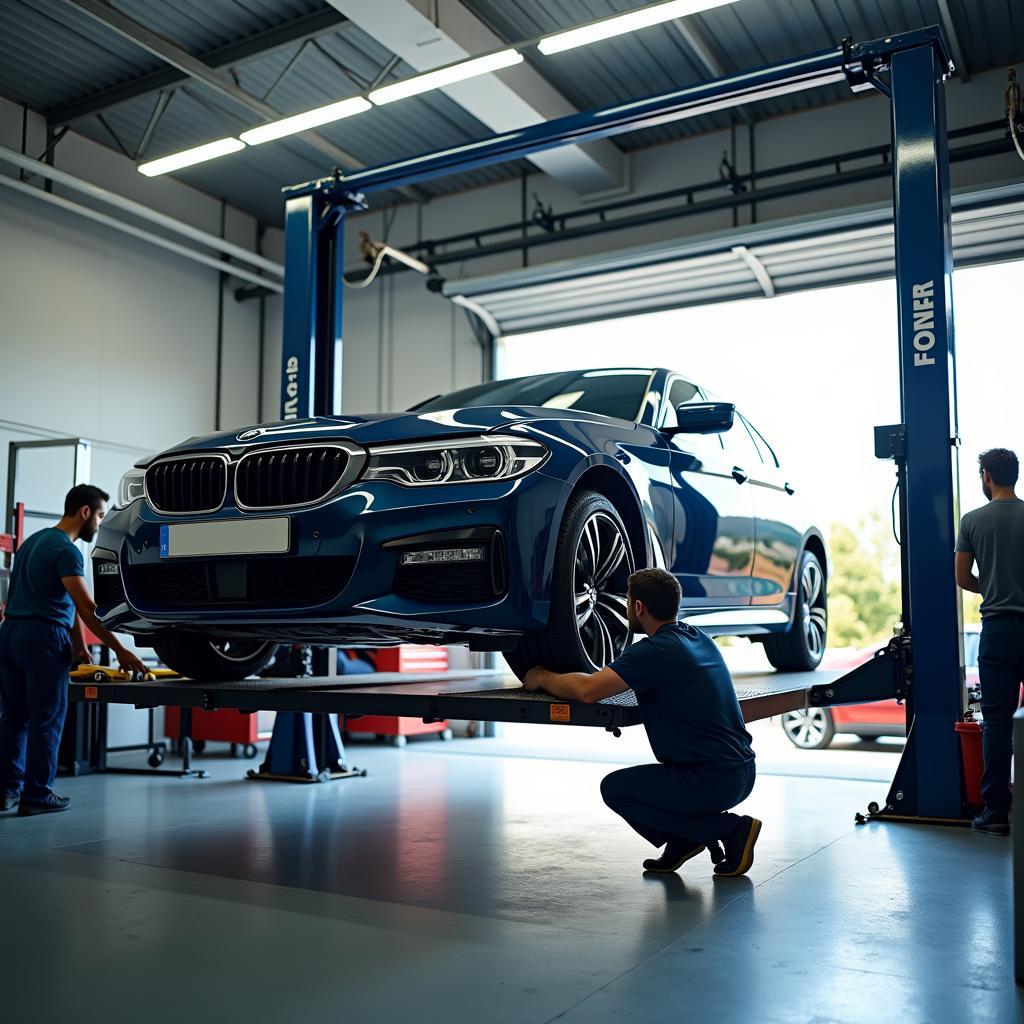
(205, 660)
(802, 646)
(588, 626)
(810, 729)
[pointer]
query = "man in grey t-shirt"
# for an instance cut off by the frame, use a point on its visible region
(993, 537)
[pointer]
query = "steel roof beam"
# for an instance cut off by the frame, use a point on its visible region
(957, 51)
(703, 52)
(259, 44)
(179, 58)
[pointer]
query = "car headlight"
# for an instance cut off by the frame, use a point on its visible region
(131, 487)
(477, 460)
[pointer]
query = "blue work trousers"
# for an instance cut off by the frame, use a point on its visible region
(675, 801)
(1000, 671)
(35, 657)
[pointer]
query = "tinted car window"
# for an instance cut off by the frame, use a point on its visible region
(680, 393)
(740, 445)
(607, 392)
(768, 456)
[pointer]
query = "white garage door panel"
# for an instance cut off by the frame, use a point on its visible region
(988, 226)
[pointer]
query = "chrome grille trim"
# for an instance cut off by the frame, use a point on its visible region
(355, 460)
(160, 468)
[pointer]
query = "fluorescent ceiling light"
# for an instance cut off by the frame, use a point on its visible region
(304, 121)
(618, 24)
(445, 76)
(188, 157)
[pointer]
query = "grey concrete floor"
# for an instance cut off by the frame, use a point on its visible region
(485, 888)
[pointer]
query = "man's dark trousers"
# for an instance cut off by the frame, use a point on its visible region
(1001, 669)
(35, 656)
(674, 801)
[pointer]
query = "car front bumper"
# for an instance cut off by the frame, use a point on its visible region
(342, 580)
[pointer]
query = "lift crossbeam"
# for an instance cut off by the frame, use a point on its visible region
(857, 63)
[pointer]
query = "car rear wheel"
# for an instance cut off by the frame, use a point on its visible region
(206, 660)
(588, 626)
(810, 729)
(802, 646)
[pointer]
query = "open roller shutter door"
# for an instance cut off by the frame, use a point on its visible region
(784, 257)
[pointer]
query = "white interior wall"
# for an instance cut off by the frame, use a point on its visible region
(117, 339)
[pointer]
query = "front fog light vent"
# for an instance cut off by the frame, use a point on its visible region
(443, 556)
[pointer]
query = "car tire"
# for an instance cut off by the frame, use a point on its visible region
(205, 660)
(802, 646)
(593, 560)
(810, 728)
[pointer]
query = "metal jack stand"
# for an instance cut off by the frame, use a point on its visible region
(307, 747)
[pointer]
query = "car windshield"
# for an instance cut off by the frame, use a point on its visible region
(616, 393)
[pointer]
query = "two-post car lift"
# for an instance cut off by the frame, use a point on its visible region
(923, 666)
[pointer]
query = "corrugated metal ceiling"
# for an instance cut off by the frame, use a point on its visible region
(51, 54)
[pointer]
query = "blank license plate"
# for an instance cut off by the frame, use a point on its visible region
(226, 537)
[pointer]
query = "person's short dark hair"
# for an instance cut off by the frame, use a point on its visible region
(658, 590)
(84, 494)
(1002, 466)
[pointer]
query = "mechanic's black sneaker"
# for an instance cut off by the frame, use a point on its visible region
(996, 823)
(739, 848)
(676, 853)
(50, 804)
(8, 801)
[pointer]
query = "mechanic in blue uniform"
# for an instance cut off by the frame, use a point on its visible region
(693, 720)
(39, 639)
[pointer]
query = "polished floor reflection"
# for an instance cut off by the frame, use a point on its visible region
(499, 889)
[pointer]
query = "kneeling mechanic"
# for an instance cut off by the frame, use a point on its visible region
(692, 716)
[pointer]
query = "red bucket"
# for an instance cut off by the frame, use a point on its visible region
(974, 761)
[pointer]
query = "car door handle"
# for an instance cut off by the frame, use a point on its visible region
(739, 475)
(789, 488)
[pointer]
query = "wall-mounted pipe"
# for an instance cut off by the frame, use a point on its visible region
(140, 233)
(26, 163)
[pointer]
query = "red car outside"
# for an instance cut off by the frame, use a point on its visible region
(815, 728)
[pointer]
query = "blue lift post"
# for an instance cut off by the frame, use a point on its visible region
(307, 747)
(909, 69)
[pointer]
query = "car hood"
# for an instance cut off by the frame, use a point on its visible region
(382, 428)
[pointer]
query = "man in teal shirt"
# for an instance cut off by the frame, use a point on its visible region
(39, 639)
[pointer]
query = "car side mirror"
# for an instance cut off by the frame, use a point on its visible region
(702, 418)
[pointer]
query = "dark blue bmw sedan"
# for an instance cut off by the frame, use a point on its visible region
(506, 516)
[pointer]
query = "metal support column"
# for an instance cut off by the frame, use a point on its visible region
(929, 781)
(307, 747)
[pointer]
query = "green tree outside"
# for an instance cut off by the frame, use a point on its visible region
(864, 588)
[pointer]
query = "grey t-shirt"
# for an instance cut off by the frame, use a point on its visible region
(994, 534)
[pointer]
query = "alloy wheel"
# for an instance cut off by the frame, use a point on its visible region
(815, 612)
(601, 570)
(806, 729)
